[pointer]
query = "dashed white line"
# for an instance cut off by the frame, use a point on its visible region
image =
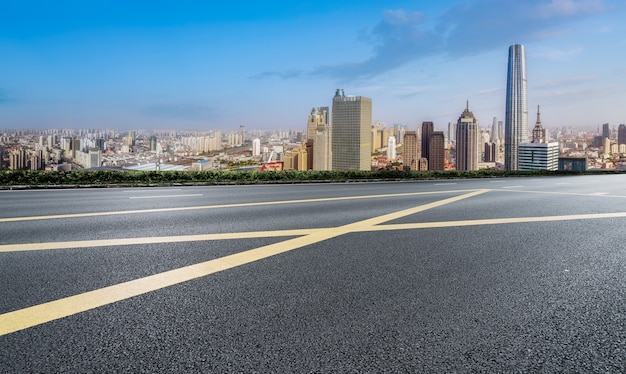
(148, 190)
(512, 187)
(163, 196)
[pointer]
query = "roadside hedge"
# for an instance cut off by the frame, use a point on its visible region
(127, 177)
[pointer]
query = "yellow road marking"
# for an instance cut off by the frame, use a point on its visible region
(492, 221)
(240, 205)
(560, 193)
(355, 227)
(50, 311)
(152, 240)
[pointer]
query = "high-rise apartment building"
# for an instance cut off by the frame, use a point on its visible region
(516, 116)
(410, 157)
(256, 147)
(351, 132)
(468, 139)
(391, 148)
(319, 115)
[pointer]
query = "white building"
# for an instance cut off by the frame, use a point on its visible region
(256, 147)
(391, 148)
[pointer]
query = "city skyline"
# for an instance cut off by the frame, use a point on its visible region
(195, 66)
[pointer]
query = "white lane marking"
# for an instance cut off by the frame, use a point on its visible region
(149, 190)
(444, 184)
(599, 193)
(562, 183)
(163, 196)
(512, 187)
(497, 182)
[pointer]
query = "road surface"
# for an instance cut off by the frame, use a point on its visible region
(497, 275)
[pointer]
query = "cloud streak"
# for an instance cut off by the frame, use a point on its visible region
(466, 29)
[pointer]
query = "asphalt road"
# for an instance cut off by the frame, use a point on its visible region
(493, 275)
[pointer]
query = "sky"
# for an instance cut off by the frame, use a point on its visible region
(216, 65)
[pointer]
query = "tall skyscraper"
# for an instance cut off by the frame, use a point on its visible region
(410, 157)
(621, 134)
(351, 132)
(495, 135)
(606, 131)
(516, 116)
(467, 141)
(427, 131)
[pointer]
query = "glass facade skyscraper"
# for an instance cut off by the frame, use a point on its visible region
(351, 132)
(516, 116)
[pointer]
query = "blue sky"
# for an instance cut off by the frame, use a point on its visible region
(202, 65)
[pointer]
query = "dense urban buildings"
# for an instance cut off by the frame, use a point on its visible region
(351, 132)
(516, 115)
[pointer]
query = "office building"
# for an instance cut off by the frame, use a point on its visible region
(621, 134)
(451, 132)
(351, 132)
(573, 163)
(468, 141)
(410, 150)
(427, 130)
(516, 116)
(538, 156)
(606, 131)
(437, 151)
(153, 144)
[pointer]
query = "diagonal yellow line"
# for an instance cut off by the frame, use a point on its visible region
(53, 310)
(240, 205)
